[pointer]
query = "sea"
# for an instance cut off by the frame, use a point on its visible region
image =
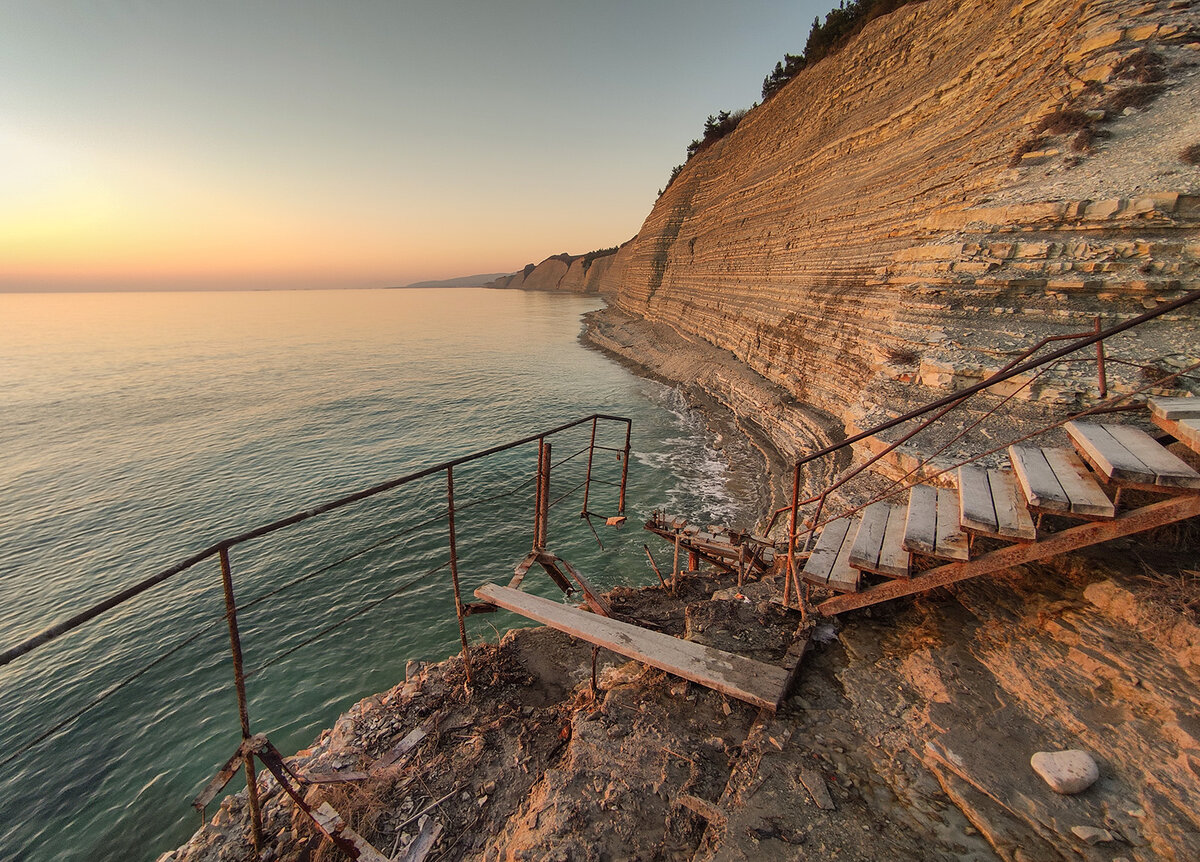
(139, 428)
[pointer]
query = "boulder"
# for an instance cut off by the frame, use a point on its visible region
(1066, 772)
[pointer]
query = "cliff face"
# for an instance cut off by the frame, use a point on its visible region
(861, 243)
(572, 274)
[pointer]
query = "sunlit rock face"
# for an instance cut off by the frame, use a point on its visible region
(893, 225)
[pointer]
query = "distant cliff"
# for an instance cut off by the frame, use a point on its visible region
(585, 273)
(961, 179)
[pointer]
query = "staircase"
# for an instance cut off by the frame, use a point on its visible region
(940, 524)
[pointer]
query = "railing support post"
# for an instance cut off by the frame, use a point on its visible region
(624, 469)
(458, 605)
(545, 505)
(790, 576)
(1101, 373)
(239, 681)
(537, 497)
(587, 480)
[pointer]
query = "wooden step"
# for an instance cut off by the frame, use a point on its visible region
(1055, 480)
(1179, 417)
(1131, 458)
(990, 504)
(829, 563)
(878, 547)
(762, 685)
(931, 526)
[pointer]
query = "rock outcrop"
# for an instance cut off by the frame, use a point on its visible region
(903, 216)
(564, 272)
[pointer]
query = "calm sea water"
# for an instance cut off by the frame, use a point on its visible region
(137, 429)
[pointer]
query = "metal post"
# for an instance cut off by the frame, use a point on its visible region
(624, 470)
(587, 481)
(458, 605)
(675, 567)
(537, 498)
(239, 681)
(545, 510)
(1100, 370)
(791, 558)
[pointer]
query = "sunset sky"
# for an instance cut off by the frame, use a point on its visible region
(157, 144)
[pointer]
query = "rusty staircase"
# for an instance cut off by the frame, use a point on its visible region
(941, 525)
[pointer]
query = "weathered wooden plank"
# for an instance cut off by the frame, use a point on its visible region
(1012, 518)
(1169, 470)
(976, 511)
(1175, 408)
(1112, 460)
(1086, 496)
(1039, 484)
(1188, 431)
(418, 850)
(1166, 511)
(591, 595)
(894, 561)
(745, 679)
(844, 577)
(331, 823)
(868, 541)
(824, 555)
(920, 529)
(952, 542)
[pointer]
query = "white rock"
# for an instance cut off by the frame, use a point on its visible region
(1092, 835)
(1066, 772)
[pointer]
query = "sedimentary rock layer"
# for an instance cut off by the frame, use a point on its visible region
(863, 242)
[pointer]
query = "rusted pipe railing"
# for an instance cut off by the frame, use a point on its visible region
(588, 479)
(98, 609)
(624, 470)
(239, 681)
(458, 603)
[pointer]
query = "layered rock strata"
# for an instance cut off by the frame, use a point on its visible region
(863, 243)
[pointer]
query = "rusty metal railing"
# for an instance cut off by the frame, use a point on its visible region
(221, 551)
(942, 406)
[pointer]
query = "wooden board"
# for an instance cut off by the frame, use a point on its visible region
(1169, 471)
(1039, 484)
(1012, 518)
(920, 528)
(1109, 458)
(824, 555)
(1087, 497)
(843, 577)
(976, 511)
(1175, 408)
(1128, 523)
(952, 542)
(745, 679)
(868, 542)
(894, 561)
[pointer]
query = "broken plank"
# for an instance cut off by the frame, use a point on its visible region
(403, 747)
(419, 849)
(331, 823)
(815, 785)
(329, 777)
(745, 679)
(702, 807)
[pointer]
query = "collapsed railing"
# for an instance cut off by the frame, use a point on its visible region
(256, 745)
(943, 406)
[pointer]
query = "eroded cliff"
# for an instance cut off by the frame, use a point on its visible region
(902, 217)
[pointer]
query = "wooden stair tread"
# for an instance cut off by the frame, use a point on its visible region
(931, 525)
(1131, 457)
(1182, 423)
(756, 683)
(989, 503)
(829, 563)
(878, 546)
(1175, 408)
(1055, 480)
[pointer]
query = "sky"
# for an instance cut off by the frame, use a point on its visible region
(155, 144)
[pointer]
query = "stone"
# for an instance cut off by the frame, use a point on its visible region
(1092, 835)
(1067, 772)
